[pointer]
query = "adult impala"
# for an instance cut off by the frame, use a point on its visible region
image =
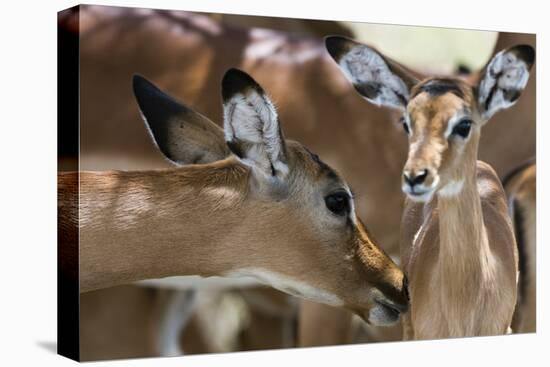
(457, 245)
(272, 210)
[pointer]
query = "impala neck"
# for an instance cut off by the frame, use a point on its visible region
(464, 253)
(137, 225)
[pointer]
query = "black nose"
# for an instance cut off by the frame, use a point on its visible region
(415, 178)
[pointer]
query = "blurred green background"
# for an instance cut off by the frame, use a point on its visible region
(442, 49)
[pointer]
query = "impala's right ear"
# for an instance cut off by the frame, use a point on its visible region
(251, 125)
(182, 135)
(377, 78)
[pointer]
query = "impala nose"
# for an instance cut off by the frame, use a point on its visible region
(413, 178)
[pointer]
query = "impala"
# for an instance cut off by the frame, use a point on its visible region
(272, 210)
(521, 187)
(457, 245)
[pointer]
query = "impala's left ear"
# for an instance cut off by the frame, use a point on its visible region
(504, 79)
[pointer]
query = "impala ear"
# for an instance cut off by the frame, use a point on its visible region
(182, 135)
(504, 79)
(251, 125)
(377, 78)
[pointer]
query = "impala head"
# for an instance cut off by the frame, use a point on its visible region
(441, 116)
(297, 221)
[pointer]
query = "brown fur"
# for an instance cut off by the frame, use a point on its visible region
(521, 188)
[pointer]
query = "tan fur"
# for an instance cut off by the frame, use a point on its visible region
(203, 220)
(522, 193)
(458, 251)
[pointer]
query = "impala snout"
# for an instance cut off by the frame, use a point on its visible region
(420, 183)
(388, 294)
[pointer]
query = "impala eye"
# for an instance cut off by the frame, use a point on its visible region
(463, 128)
(338, 203)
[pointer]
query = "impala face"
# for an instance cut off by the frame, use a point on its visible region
(443, 124)
(441, 116)
(290, 219)
(322, 251)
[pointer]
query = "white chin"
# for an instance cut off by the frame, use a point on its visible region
(421, 198)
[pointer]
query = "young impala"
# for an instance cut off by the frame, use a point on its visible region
(457, 245)
(272, 210)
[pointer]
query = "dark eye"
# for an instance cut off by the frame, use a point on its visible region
(405, 126)
(462, 129)
(338, 203)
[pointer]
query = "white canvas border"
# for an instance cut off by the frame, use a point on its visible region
(28, 181)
